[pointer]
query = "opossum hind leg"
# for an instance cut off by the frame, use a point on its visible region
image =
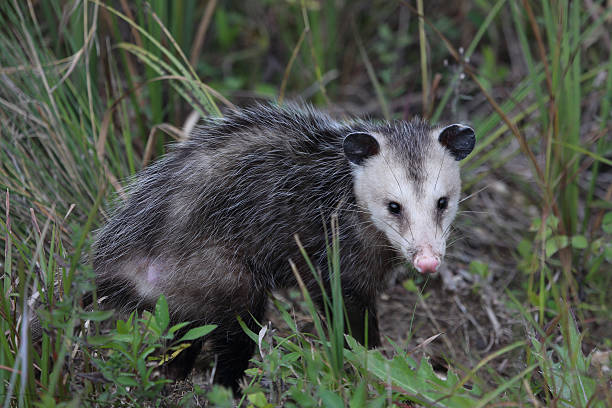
(218, 294)
(232, 345)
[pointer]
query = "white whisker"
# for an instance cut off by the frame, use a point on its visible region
(474, 193)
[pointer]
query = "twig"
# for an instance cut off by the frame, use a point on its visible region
(200, 36)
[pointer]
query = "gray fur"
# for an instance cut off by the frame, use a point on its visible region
(212, 224)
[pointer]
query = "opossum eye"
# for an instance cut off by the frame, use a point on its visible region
(442, 203)
(394, 208)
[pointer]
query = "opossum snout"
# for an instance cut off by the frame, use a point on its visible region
(425, 261)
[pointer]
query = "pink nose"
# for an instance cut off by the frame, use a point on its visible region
(426, 263)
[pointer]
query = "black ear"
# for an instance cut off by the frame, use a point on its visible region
(459, 139)
(359, 146)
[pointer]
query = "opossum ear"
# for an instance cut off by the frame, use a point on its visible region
(358, 146)
(459, 139)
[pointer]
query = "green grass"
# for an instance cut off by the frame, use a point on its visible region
(85, 106)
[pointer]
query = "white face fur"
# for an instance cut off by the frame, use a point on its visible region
(414, 217)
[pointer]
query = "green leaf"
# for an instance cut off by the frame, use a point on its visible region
(302, 398)
(359, 396)
(331, 399)
(579, 242)
(161, 313)
(410, 286)
(97, 315)
(524, 248)
(98, 340)
(535, 224)
(124, 338)
(153, 328)
(141, 366)
(258, 399)
(554, 244)
(177, 327)
(377, 402)
(145, 353)
(220, 397)
(198, 332)
(552, 222)
(126, 380)
(290, 357)
(423, 384)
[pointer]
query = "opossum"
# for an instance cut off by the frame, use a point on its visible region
(211, 225)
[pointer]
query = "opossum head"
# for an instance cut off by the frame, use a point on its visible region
(406, 178)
